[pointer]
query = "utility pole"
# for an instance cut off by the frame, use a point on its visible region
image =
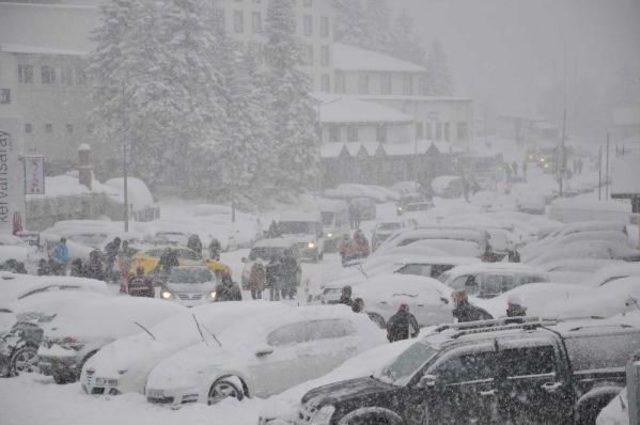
(561, 155)
(125, 165)
(606, 175)
(600, 173)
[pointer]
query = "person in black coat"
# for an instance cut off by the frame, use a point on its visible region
(273, 278)
(345, 296)
(402, 325)
(289, 274)
(228, 290)
(467, 312)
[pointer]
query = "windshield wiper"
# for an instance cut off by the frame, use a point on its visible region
(208, 331)
(146, 330)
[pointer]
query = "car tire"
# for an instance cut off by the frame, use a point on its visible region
(61, 379)
(24, 360)
(224, 388)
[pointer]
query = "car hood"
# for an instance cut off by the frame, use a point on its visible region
(191, 288)
(345, 390)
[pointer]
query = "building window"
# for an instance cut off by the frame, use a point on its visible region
(463, 131)
(5, 96)
(340, 83)
(25, 74)
(325, 83)
(419, 130)
(69, 128)
(308, 54)
(66, 76)
(28, 128)
(352, 133)
(238, 21)
(438, 131)
(324, 26)
(334, 133)
(381, 133)
(446, 132)
(307, 25)
(48, 128)
(48, 74)
(363, 83)
(385, 84)
(407, 85)
(81, 77)
(324, 56)
(256, 22)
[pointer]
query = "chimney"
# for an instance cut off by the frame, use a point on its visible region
(85, 169)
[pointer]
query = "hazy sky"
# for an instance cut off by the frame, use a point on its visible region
(506, 51)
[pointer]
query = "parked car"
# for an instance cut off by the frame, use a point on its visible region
(20, 337)
(487, 280)
(123, 365)
(190, 285)
(335, 222)
(401, 239)
(16, 287)
(262, 355)
(266, 249)
(488, 372)
(84, 322)
(383, 230)
(307, 228)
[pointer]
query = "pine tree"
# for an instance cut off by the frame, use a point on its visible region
(350, 25)
(296, 141)
(405, 44)
(439, 80)
(378, 19)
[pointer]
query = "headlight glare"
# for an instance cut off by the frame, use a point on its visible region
(212, 295)
(166, 295)
(311, 245)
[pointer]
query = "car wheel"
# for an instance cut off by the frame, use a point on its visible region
(25, 360)
(224, 388)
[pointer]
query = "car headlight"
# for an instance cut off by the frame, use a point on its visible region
(212, 295)
(166, 295)
(311, 245)
(323, 417)
(329, 235)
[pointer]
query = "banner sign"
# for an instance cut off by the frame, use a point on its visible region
(34, 175)
(11, 184)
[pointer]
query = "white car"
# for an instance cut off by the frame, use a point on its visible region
(383, 231)
(309, 231)
(125, 363)
(263, 355)
(427, 298)
(582, 270)
(82, 322)
(593, 248)
(576, 238)
(190, 286)
(487, 280)
(609, 274)
(407, 237)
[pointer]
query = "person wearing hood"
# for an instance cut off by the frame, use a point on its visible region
(402, 325)
(195, 244)
(464, 311)
(95, 269)
(515, 307)
(345, 296)
(273, 277)
(228, 290)
(60, 257)
(110, 255)
(257, 280)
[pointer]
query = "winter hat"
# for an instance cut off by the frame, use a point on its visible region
(514, 300)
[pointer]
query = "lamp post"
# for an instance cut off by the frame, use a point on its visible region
(125, 162)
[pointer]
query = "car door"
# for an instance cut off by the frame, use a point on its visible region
(463, 391)
(532, 386)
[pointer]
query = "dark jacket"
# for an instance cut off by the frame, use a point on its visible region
(195, 244)
(402, 325)
(273, 274)
(515, 310)
(466, 312)
(289, 271)
(228, 291)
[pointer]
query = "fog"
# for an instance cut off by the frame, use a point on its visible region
(507, 53)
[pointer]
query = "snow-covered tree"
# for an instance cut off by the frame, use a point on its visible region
(404, 42)
(350, 25)
(439, 80)
(296, 141)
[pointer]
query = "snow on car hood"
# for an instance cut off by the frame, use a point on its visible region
(396, 289)
(15, 286)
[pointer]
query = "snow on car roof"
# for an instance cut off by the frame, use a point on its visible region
(14, 286)
(391, 286)
(480, 267)
(617, 270)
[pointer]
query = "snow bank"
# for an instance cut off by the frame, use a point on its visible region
(139, 195)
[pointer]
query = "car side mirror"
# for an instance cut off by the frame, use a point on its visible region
(428, 381)
(264, 351)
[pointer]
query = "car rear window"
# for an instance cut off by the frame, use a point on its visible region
(588, 352)
(298, 333)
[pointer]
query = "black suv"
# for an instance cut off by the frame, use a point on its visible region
(493, 372)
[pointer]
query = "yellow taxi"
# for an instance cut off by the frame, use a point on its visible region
(148, 259)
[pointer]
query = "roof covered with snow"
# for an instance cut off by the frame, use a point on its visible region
(335, 149)
(351, 58)
(52, 29)
(350, 110)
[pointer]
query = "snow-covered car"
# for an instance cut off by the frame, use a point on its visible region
(307, 228)
(124, 365)
(16, 287)
(610, 273)
(383, 231)
(167, 237)
(438, 247)
(190, 286)
(448, 186)
(488, 280)
(598, 249)
(407, 237)
(263, 355)
(84, 322)
(612, 237)
(266, 249)
(415, 207)
(335, 222)
(12, 247)
(20, 336)
(581, 270)
(427, 298)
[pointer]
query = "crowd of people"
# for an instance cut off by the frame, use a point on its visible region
(354, 248)
(280, 276)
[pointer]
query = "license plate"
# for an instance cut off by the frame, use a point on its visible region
(106, 382)
(155, 393)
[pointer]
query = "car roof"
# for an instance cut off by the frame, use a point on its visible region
(494, 267)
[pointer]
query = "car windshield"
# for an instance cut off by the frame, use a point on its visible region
(327, 218)
(297, 227)
(407, 363)
(265, 253)
(196, 275)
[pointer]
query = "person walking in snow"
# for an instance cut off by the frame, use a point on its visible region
(514, 165)
(111, 253)
(124, 264)
(289, 274)
(195, 244)
(464, 311)
(402, 325)
(60, 257)
(214, 249)
(228, 290)
(345, 296)
(95, 269)
(257, 280)
(273, 277)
